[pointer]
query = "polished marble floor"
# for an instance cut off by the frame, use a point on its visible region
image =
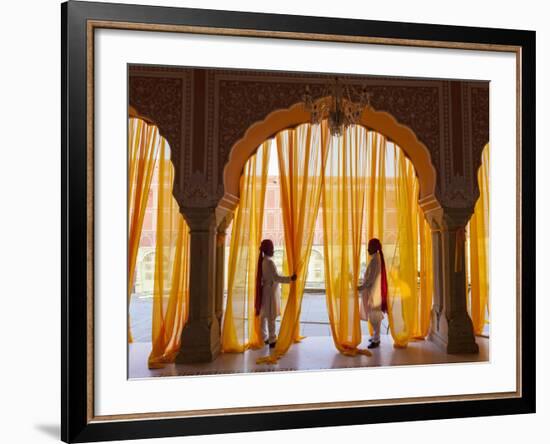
(313, 353)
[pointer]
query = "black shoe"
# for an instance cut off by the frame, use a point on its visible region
(266, 342)
(272, 344)
(374, 344)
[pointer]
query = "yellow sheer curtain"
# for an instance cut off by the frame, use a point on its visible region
(376, 186)
(479, 249)
(344, 199)
(171, 282)
(241, 328)
(403, 298)
(143, 145)
(301, 154)
(376, 193)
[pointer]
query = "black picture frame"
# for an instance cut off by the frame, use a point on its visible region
(76, 424)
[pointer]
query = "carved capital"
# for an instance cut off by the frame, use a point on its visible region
(448, 219)
(222, 228)
(200, 219)
(197, 192)
(457, 194)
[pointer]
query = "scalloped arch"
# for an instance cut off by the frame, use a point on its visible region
(281, 119)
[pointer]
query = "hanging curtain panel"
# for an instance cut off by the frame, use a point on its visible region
(376, 194)
(241, 328)
(171, 279)
(375, 148)
(344, 192)
(143, 146)
(301, 154)
(479, 249)
(403, 295)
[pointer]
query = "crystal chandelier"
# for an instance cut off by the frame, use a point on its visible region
(337, 107)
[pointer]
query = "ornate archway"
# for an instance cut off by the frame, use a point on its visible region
(279, 120)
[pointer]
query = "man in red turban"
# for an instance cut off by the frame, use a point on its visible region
(374, 291)
(267, 301)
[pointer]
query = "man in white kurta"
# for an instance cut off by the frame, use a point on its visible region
(371, 296)
(271, 298)
(268, 303)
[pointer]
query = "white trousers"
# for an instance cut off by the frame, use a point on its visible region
(268, 329)
(375, 318)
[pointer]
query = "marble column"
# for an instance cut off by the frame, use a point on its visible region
(451, 326)
(200, 339)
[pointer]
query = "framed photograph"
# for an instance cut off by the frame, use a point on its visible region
(275, 221)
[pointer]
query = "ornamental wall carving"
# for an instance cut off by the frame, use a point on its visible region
(203, 112)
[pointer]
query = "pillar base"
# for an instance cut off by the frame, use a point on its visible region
(461, 336)
(455, 336)
(200, 342)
